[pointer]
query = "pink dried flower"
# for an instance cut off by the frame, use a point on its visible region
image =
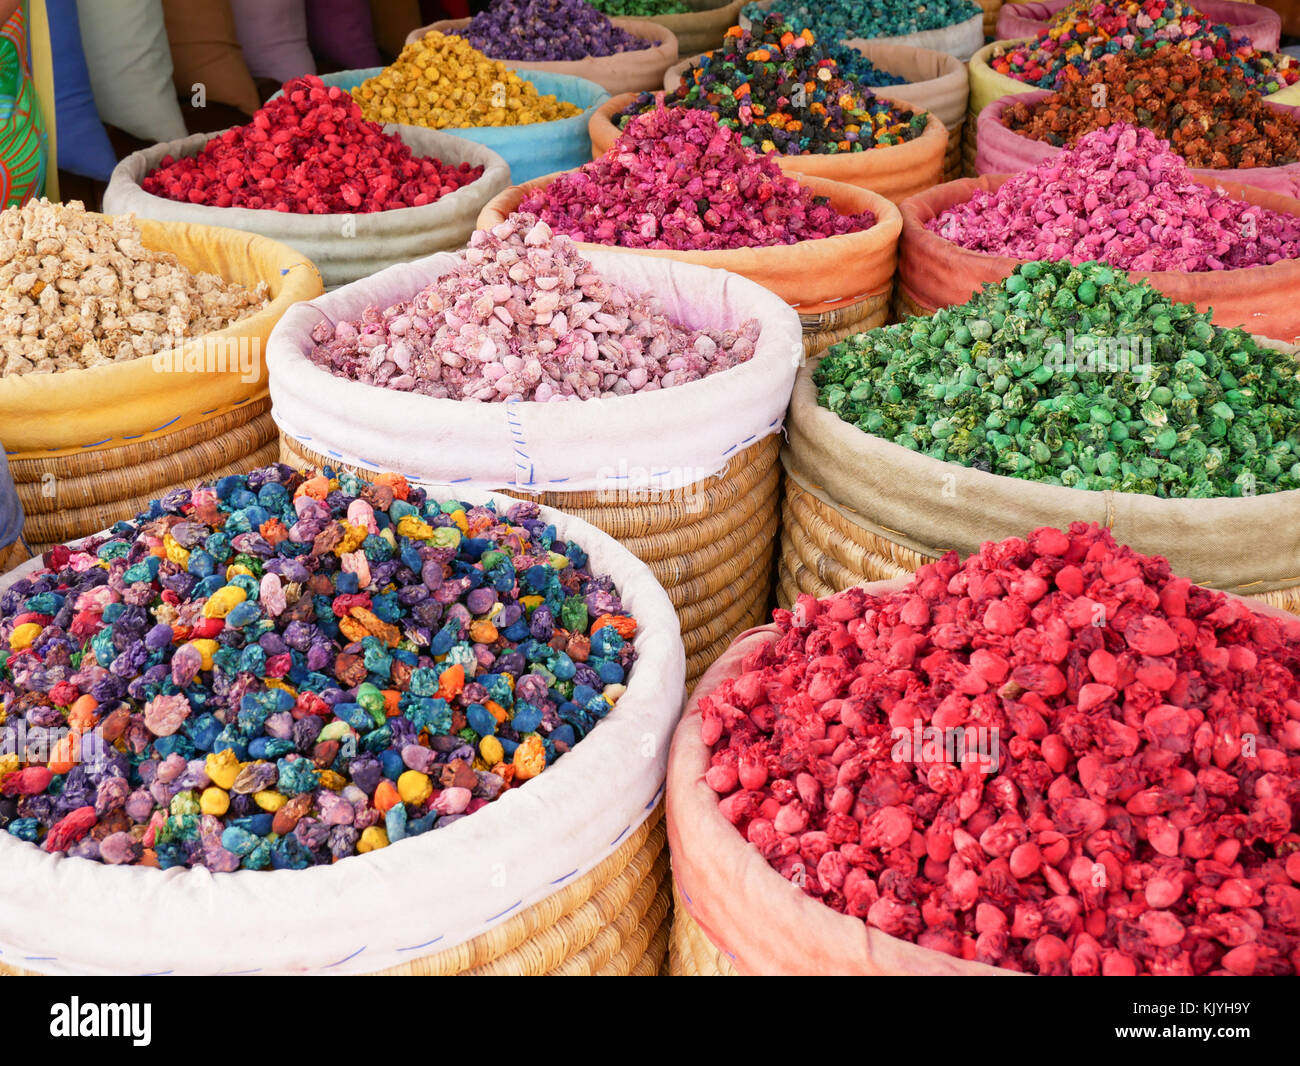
(1124, 197)
(677, 180)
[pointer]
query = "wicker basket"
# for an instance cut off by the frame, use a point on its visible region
(71, 494)
(711, 546)
(991, 9)
(830, 327)
(612, 922)
(690, 953)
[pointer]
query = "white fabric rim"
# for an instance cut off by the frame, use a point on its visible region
(661, 440)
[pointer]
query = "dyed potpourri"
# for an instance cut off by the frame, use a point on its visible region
(676, 179)
(783, 93)
(1089, 32)
(1077, 376)
(1122, 197)
(443, 82)
(308, 151)
(1212, 117)
(524, 316)
(548, 30)
(1136, 815)
(843, 20)
(281, 670)
(641, 8)
(78, 289)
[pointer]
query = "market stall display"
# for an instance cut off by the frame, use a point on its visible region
(536, 121)
(1086, 396)
(825, 248)
(1122, 197)
(568, 37)
(310, 171)
(685, 393)
(900, 779)
(816, 119)
(336, 773)
(166, 385)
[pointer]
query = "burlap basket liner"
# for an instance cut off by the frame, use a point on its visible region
(62, 507)
(12, 555)
(709, 546)
(1000, 150)
(1247, 545)
(991, 9)
(896, 171)
(811, 276)
(733, 913)
(960, 39)
(614, 921)
(1260, 25)
(622, 72)
(46, 416)
(934, 272)
(987, 85)
(703, 27)
(606, 913)
(345, 246)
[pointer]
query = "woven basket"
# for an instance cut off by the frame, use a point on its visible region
(991, 9)
(821, 331)
(710, 547)
(969, 145)
(612, 922)
(74, 494)
(952, 161)
(690, 953)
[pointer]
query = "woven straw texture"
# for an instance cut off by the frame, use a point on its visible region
(830, 327)
(612, 922)
(76, 495)
(824, 551)
(710, 545)
(952, 162)
(991, 9)
(905, 306)
(690, 953)
(13, 555)
(969, 145)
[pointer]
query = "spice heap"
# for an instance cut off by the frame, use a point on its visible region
(1087, 32)
(524, 316)
(842, 20)
(308, 151)
(82, 290)
(547, 30)
(1055, 757)
(281, 671)
(443, 82)
(641, 8)
(1212, 117)
(783, 93)
(1122, 197)
(1076, 376)
(676, 179)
